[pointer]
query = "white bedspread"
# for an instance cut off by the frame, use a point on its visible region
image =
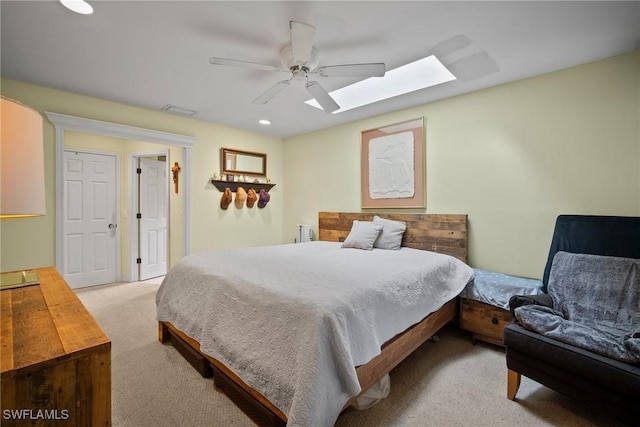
(293, 321)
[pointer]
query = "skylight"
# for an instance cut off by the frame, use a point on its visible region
(421, 74)
(78, 6)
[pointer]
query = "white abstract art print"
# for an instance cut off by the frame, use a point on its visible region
(391, 166)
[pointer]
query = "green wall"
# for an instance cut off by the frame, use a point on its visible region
(28, 243)
(512, 157)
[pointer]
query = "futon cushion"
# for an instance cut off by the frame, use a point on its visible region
(617, 236)
(596, 305)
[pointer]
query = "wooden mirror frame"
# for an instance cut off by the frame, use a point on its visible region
(224, 152)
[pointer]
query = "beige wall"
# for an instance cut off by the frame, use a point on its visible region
(512, 157)
(30, 243)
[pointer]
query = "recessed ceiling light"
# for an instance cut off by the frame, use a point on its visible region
(78, 6)
(417, 75)
(264, 122)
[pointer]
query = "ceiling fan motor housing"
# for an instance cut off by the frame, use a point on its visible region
(288, 63)
(299, 74)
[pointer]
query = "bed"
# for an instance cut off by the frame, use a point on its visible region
(349, 350)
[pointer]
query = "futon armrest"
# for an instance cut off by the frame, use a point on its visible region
(520, 300)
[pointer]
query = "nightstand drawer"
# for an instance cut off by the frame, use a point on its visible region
(485, 322)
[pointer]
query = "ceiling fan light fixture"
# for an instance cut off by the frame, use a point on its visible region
(78, 6)
(420, 74)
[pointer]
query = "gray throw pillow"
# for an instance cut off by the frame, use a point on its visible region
(362, 235)
(390, 236)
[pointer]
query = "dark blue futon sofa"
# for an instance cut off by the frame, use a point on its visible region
(595, 257)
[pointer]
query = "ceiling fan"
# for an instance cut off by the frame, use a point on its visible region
(300, 58)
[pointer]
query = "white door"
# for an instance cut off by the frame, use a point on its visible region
(90, 222)
(153, 218)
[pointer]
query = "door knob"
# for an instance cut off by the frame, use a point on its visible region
(113, 226)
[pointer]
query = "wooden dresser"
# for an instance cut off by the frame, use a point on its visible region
(55, 359)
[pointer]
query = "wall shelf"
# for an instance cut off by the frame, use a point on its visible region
(233, 186)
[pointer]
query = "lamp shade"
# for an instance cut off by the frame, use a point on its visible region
(21, 161)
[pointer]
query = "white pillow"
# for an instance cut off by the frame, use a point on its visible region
(390, 236)
(362, 235)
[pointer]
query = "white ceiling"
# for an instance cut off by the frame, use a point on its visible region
(154, 53)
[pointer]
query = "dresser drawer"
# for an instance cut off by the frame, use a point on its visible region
(485, 322)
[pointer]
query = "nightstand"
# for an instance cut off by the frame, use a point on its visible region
(484, 304)
(485, 322)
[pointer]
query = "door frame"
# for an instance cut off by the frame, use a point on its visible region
(63, 122)
(134, 190)
(118, 195)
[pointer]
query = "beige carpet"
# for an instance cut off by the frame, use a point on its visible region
(448, 382)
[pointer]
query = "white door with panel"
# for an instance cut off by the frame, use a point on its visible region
(153, 218)
(90, 222)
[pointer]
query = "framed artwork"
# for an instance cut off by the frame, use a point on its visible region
(393, 166)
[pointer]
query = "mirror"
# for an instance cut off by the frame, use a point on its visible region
(243, 162)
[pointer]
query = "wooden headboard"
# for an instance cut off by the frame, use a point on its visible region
(445, 234)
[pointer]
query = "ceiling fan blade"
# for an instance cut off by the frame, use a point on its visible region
(324, 99)
(301, 41)
(353, 70)
(271, 92)
(243, 64)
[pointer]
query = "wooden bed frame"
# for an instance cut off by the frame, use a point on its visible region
(439, 233)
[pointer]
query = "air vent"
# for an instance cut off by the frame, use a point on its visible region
(178, 110)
